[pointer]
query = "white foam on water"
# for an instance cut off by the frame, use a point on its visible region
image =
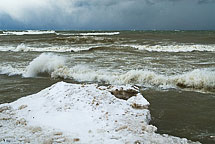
(10, 70)
(25, 48)
(22, 47)
(7, 48)
(63, 49)
(91, 33)
(19, 48)
(55, 66)
(174, 48)
(28, 32)
(197, 79)
(201, 79)
(77, 48)
(45, 63)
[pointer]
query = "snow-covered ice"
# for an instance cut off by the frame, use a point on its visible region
(83, 114)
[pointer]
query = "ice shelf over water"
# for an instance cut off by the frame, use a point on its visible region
(82, 114)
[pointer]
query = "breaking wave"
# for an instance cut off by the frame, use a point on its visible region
(25, 48)
(91, 34)
(56, 67)
(85, 40)
(201, 79)
(45, 63)
(77, 44)
(174, 48)
(28, 32)
(10, 70)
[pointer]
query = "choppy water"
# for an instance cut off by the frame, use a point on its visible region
(175, 69)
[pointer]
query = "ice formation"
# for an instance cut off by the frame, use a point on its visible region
(78, 113)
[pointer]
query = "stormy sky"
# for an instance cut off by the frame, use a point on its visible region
(108, 14)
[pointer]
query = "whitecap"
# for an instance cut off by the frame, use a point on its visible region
(26, 48)
(45, 63)
(91, 33)
(174, 48)
(28, 32)
(9, 70)
(56, 66)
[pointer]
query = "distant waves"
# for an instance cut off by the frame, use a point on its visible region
(174, 48)
(64, 48)
(28, 32)
(104, 43)
(38, 32)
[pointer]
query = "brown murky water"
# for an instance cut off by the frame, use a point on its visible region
(175, 70)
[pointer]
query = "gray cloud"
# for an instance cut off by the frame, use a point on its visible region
(206, 1)
(108, 14)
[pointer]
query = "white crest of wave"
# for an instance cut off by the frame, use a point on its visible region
(83, 73)
(54, 65)
(91, 33)
(25, 48)
(22, 47)
(97, 34)
(28, 32)
(10, 70)
(86, 73)
(196, 79)
(45, 63)
(142, 76)
(174, 48)
(19, 48)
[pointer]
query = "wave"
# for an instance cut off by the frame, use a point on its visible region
(45, 63)
(28, 32)
(85, 40)
(18, 48)
(198, 79)
(86, 44)
(56, 67)
(10, 70)
(174, 48)
(25, 48)
(91, 33)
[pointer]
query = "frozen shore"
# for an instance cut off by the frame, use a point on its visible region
(72, 113)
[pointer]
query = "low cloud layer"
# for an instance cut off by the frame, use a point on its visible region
(108, 14)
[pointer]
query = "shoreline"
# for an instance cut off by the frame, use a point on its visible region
(100, 116)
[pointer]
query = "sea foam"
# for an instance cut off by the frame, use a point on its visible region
(92, 43)
(56, 67)
(174, 48)
(199, 79)
(9, 70)
(45, 63)
(66, 48)
(28, 32)
(91, 33)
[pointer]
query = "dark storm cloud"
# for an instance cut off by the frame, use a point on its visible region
(108, 14)
(206, 1)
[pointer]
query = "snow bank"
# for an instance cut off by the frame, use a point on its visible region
(72, 113)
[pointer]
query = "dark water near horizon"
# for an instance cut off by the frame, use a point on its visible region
(175, 70)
